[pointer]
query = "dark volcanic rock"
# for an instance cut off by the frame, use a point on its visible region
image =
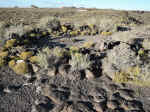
(19, 101)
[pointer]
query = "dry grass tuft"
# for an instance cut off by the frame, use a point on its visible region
(79, 62)
(133, 75)
(42, 59)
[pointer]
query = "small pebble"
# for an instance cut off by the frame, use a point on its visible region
(112, 104)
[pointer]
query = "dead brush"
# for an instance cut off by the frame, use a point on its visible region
(14, 30)
(2, 32)
(49, 22)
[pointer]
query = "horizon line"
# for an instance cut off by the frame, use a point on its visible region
(75, 7)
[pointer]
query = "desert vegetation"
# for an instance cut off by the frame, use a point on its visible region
(89, 61)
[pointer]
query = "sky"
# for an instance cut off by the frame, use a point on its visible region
(102, 4)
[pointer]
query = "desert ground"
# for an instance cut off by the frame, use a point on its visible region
(74, 60)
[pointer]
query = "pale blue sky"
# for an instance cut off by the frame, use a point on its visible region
(114, 4)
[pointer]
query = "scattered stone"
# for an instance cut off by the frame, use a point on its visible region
(37, 101)
(119, 110)
(38, 90)
(98, 107)
(64, 69)
(103, 46)
(70, 108)
(46, 92)
(111, 87)
(116, 96)
(89, 74)
(61, 95)
(34, 109)
(99, 95)
(137, 111)
(7, 90)
(84, 107)
(115, 110)
(98, 99)
(44, 107)
(55, 95)
(127, 94)
(112, 104)
(67, 108)
(132, 105)
(121, 28)
(35, 68)
(51, 72)
(75, 75)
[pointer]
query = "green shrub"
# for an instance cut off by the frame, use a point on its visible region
(26, 55)
(73, 49)
(106, 33)
(64, 29)
(141, 52)
(11, 63)
(2, 62)
(10, 43)
(32, 35)
(3, 54)
(20, 68)
(33, 59)
(88, 44)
